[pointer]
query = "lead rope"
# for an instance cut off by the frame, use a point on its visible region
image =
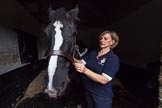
(75, 46)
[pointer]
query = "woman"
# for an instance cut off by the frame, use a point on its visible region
(99, 67)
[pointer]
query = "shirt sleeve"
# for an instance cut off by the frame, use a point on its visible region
(107, 76)
(111, 66)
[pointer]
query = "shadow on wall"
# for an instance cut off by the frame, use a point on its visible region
(141, 83)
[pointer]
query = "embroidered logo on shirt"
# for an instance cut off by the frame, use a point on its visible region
(102, 61)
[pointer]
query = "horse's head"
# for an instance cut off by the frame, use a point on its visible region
(62, 31)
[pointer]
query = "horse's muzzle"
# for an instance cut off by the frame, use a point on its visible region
(51, 93)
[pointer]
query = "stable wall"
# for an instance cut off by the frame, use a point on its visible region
(9, 50)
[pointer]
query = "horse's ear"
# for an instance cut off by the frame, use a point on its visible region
(50, 12)
(74, 13)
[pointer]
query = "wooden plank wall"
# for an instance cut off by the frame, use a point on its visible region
(160, 81)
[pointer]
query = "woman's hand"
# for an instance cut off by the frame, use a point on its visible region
(77, 61)
(79, 65)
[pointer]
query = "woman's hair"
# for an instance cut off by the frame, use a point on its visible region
(114, 37)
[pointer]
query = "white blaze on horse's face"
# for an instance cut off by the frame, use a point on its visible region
(58, 35)
(53, 60)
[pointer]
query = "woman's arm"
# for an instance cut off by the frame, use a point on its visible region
(80, 67)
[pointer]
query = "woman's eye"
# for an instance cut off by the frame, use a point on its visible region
(101, 38)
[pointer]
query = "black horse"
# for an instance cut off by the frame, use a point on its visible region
(60, 72)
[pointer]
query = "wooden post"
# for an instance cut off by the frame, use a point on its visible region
(160, 81)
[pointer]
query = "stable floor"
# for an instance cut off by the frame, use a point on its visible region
(14, 84)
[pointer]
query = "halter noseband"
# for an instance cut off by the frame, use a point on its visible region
(60, 53)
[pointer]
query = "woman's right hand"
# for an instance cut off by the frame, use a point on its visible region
(79, 65)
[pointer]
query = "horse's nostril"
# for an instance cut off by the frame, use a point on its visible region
(51, 93)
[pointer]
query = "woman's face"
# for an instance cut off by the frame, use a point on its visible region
(105, 41)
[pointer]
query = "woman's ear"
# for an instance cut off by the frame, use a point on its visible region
(112, 42)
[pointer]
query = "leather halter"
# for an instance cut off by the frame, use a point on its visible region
(60, 53)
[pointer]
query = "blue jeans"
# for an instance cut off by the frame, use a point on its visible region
(94, 101)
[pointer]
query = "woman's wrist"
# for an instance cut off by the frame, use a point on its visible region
(85, 70)
(83, 62)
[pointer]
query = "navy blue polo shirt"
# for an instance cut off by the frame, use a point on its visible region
(107, 64)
